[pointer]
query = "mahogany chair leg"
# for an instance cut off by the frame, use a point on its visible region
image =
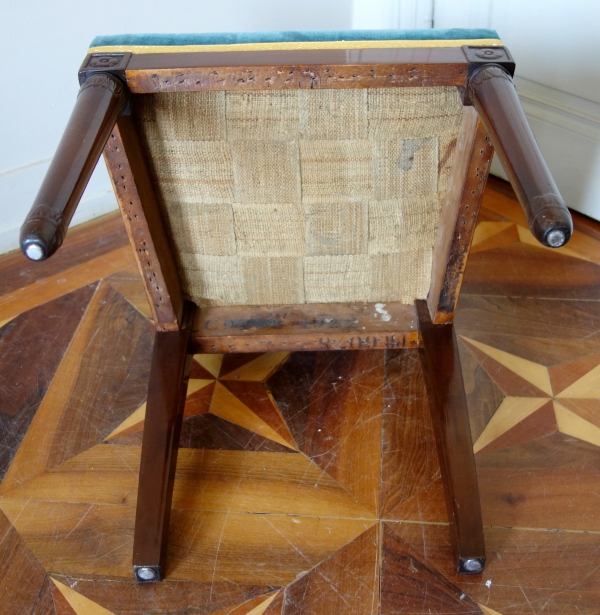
(448, 404)
(171, 362)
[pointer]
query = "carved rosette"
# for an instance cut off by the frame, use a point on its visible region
(106, 81)
(484, 73)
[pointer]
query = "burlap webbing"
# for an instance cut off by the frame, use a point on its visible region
(274, 197)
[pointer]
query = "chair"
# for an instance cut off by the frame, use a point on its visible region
(299, 191)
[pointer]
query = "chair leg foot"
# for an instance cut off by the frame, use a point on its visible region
(171, 362)
(448, 404)
(471, 565)
(147, 574)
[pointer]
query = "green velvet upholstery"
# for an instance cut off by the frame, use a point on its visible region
(293, 36)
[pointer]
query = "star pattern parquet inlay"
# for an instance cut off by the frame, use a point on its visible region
(308, 483)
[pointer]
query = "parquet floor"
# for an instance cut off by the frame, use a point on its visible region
(308, 482)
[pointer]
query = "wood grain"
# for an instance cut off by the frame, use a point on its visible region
(60, 602)
(83, 243)
(22, 577)
(409, 459)
(345, 583)
(80, 604)
(144, 224)
(410, 585)
(516, 424)
(238, 496)
(51, 287)
(236, 481)
(447, 401)
(483, 394)
(256, 70)
(208, 431)
(354, 326)
(167, 387)
(470, 169)
(174, 597)
(344, 421)
(526, 568)
(91, 393)
(31, 349)
(529, 484)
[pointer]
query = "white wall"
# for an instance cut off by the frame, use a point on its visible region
(42, 44)
(555, 45)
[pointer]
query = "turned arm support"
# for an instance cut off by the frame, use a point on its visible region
(101, 99)
(493, 94)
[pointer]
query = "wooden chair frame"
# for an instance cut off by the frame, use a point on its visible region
(492, 117)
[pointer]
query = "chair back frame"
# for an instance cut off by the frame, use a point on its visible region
(311, 326)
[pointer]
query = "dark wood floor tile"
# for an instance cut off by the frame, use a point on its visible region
(276, 607)
(45, 601)
(23, 585)
(346, 583)
(528, 572)
(540, 423)
(510, 382)
(208, 431)
(410, 583)
(126, 597)
(199, 402)
(344, 428)
(200, 373)
(524, 270)
(60, 602)
(566, 373)
(551, 482)
(112, 379)
(483, 394)
(81, 244)
(31, 348)
(290, 386)
(560, 323)
(102, 379)
(129, 284)
(257, 397)
(231, 362)
(409, 459)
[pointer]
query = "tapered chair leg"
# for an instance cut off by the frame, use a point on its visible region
(448, 404)
(169, 375)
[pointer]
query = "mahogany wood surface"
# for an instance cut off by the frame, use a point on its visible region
(144, 223)
(450, 418)
(470, 170)
(171, 364)
(101, 98)
(257, 70)
(314, 326)
(494, 95)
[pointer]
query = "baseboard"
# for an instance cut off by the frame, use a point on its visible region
(567, 129)
(18, 189)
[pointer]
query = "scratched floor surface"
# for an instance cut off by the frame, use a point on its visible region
(308, 482)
